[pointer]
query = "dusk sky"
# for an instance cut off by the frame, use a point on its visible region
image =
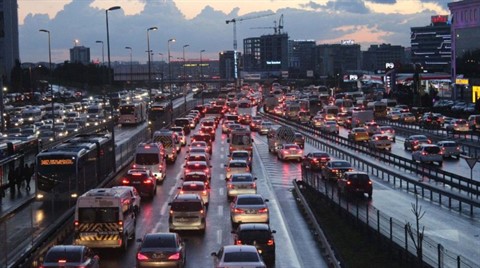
(201, 24)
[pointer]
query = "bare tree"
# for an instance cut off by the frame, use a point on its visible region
(417, 235)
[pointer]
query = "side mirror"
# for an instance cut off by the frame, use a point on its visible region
(255, 178)
(266, 200)
(213, 254)
(274, 232)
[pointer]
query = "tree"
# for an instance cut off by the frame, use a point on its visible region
(417, 235)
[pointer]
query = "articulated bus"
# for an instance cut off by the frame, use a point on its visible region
(70, 169)
(132, 114)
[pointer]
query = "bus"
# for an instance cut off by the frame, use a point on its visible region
(69, 169)
(31, 115)
(151, 156)
(240, 139)
(132, 114)
(379, 109)
(158, 114)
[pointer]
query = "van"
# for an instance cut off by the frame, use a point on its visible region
(105, 218)
(187, 212)
(168, 139)
(151, 156)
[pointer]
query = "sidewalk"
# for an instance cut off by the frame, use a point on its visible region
(11, 203)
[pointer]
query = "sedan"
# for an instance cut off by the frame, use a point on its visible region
(289, 151)
(358, 134)
(413, 142)
(247, 208)
(428, 153)
(70, 256)
(380, 141)
(143, 180)
(236, 167)
(458, 125)
(241, 184)
(161, 250)
(197, 166)
(330, 126)
(245, 256)
(242, 155)
(259, 235)
(315, 160)
(265, 128)
(334, 169)
(196, 187)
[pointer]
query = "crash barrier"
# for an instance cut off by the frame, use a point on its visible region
(392, 232)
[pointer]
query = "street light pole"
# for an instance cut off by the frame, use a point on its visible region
(108, 41)
(51, 76)
(162, 74)
(201, 72)
(131, 65)
(154, 28)
(170, 78)
(185, 81)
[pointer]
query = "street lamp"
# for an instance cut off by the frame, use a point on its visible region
(103, 52)
(50, 72)
(185, 80)
(154, 28)
(170, 78)
(108, 41)
(131, 64)
(201, 72)
(162, 73)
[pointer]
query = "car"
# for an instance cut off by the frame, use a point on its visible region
(72, 127)
(248, 208)
(315, 160)
(74, 256)
(242, 155)
(474, 122)
(187, 212)
(371, 127)
(341, 117)
(330, 126)
(161, 250)
(413, 142)
(235, 167)
(245, 256)
(428, 153)
(255, 124)
(199, 150)
(317, 121)
(380, 141)
(394, 115)
(225, 124)
(355, 182)
(358, 134)
(180, 134)
(201, 144)
(197, 176)
(197, 166)
(196, 187)
(289, 151)
(259, 235)
(334, 169)
(458, 126)
(265, 127)
(208, 130)
(143, 180)
(197, 157)
(408, 118)
(241, 183)
(387, 130)
(299, 140)
(450, 149)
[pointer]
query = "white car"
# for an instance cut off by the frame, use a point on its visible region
(380, 141)
(290, 151)
(428, 153)
(236, 167)
(242, 183)
(387, 130)
(458, 125)
(196, 187)
(331, 126)
(265, 127)
(231, 256)
(450, 149)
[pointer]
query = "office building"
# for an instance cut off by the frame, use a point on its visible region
(300, 61)
(227, 64)
(267, 54)
(333, 60)
(80, 54)
(9, 51)
(431, 45)
(377, 56)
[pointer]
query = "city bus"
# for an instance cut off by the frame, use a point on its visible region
(132, 114)
(379, 109)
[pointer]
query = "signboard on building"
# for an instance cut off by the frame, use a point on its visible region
(284, 74)
(439, 19)
(461, 81)
(309, 73)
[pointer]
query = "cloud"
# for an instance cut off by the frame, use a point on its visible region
(383, 1)
(312, 5)
(351, 6)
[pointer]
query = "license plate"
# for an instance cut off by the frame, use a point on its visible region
(135, 182)
(251, 211)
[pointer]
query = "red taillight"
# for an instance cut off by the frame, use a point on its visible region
(370, 182)
(239, 242)
(134, 166)
(263, 210)
(228, 169)
(75, 224)
(147, 181)
(204, 192)
(120, 223)
(230, 186)
(429, 141)
(182, 192)
(238, 211)
(141, 257)
(125, 181)
(349, 182)
(206, 170)
(270, 242)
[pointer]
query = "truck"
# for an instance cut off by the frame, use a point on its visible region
(359, 118)
(280, 136)
(270, 103)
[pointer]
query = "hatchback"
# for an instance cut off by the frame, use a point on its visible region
(428, 153)
(74, 256)
(355, 182)
(241, 184)
(450, 149)
(413, 142)
(161, 250)
(265, 127)
(259, 235)
(330, 126)
(236, 167)
(315, 160)
(197, 176)
(187, 212)
(143, 180)
(196, 187)
(244, 256)
(248, 208)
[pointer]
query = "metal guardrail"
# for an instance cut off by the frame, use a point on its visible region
(471, 188)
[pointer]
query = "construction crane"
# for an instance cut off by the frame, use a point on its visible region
(234, 21)
(276, 29)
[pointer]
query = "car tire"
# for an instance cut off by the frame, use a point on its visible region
(125, 243)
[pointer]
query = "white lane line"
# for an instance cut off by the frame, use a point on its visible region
(164, 209)
(221, 192)
(174, 188)
(221, 176)
(221, 156)
(157, 227)
(220, 211)
(222, 149)
(219, 237)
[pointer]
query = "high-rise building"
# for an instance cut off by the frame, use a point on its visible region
(9, 52)
(80, 54)
(431, 45)
(336, 59)
(226, 64)
(267, 54)
(300, 61)
(375, 58)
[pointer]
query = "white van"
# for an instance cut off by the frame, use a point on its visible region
(151, 156)
(105, 218)
(168, 139)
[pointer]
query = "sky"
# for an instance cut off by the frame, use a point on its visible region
(201, 24)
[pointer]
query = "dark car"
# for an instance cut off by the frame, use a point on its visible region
(315, 160)
(197, 176)
(413, 142)
(334, 169)
(299, 140)
(143, 180)
(208, 130)
(183, 122)
(74, 256)
(161, 250)
(258, 235)
(355, 182)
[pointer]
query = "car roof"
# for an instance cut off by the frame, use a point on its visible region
(253, 226)
(237, 161)
(237, 248)
(186, 197)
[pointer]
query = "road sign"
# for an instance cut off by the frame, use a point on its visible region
(471, 162)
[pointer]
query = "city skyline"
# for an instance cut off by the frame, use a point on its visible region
(365, 22)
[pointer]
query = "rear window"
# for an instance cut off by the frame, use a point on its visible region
(359, 177)
(242, 178)
(254, 235)
(250, 201)
(182, 122)
(241, 257)
(232, 117)
(449, 144)
(195, 177)
(98, 215)
(340, 164)
(147, 159)
(320, 155)
(242, 155)
(159, 242)
(70, 256)
(193, 187)
(186, 206)
(237, 164)
(432, 150)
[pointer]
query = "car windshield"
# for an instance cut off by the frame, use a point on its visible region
(156, 241)
(254, 235)
(241, 257)
(250, 201)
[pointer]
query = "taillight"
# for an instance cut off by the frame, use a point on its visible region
(206, 170)
(141, 257)
(370, 182)
(147, 181)
(239, 242)
(75, 224)
(228, 169)
(270, 242)
(230, 186)
(263, 210)
(238, 211)
(182, 192)
(349, 182)
(204, 192)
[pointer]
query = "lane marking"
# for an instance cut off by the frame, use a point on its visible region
(221, 191)
(157, 227)
(220, 210)
(164, 209)
(219, 237)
